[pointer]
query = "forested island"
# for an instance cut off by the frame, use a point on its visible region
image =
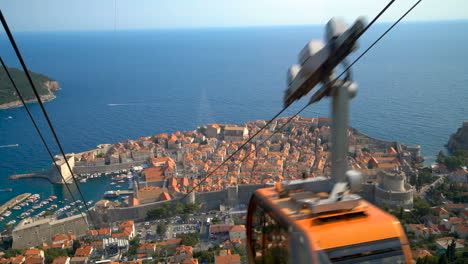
(8, 96)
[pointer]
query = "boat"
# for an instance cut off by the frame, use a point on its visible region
(6, 214)
(8, 189)
(83, 180)
(118, 178)
(1, 218)
(118, 186)
(112, 183)
(12, 222)
(111, 194)
(17, 207)
(53, 197)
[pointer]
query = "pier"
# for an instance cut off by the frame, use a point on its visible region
(28, 175)
(13, 202)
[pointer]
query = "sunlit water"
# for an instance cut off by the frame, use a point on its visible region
(123, 85)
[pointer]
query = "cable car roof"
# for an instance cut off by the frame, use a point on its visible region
(363, 223)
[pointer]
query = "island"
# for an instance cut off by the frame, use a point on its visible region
(8, 97)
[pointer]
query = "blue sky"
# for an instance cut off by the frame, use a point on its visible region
(33, 15)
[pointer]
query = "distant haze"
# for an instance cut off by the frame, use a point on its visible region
(30, 15)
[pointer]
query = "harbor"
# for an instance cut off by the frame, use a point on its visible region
(13, 202)
(112, 186)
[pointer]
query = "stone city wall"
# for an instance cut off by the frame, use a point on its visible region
(33, 233)
(394, 199)
(208, 200)
(106, 168)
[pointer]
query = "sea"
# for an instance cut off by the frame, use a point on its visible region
(119, 85)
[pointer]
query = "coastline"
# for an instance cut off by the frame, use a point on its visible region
(17, 103)
(51, 86)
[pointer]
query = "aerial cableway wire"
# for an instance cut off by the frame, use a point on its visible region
(49, 122)
(377, 40)
(348, 67)
(40, 133)
(331, 83)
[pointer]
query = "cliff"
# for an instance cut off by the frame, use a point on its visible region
(8, 97)
(459, 140)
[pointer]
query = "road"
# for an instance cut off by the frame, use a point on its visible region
(425, 188)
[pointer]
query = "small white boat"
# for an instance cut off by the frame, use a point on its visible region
(17, 208)
(6, 214)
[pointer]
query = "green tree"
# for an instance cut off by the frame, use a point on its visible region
(11, 253)
(453, 162)
(134, 245)
(52, 253)
(192, 208)
(204, 256)
(157, 213)
(161, 229)
(190, 239)
(76, 245)
(451, 251)
(442, 259)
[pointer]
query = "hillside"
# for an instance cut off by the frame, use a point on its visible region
(8, 97)
(459, 140)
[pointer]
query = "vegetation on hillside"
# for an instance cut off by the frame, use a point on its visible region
(172, 209)
(7, 91)
(455, 161)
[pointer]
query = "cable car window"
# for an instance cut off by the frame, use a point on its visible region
(269, 239)
(376, 252)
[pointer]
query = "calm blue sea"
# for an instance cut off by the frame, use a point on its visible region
(126, 84)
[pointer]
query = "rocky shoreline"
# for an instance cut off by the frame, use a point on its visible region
(50, 85)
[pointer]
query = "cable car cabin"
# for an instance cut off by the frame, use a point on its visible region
(298, 224)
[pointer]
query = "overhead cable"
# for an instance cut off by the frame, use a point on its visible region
(39, 100)
(39, 132)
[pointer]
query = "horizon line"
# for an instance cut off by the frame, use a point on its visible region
(219, 27)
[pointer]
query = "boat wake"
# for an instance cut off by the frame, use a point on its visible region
(9, 146)
(118, 104)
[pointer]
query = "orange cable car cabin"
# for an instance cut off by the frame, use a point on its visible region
(299, 223)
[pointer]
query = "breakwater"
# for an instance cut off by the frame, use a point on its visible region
(13, 202)
(28, 175)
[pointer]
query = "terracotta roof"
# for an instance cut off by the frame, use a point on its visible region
(60, 237)
(153, 174)
(78, 259)
(17, 259)
(34, 260)
(237, 228)
(92, 232)
(104, 231)
(184, 250)
(83, 251)
(127, 224)
(146, 246)
(220, 228)
(60, 260)
(420, 253)
(32, 252)
(190, 261)
(165, 196)
(227, 259)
